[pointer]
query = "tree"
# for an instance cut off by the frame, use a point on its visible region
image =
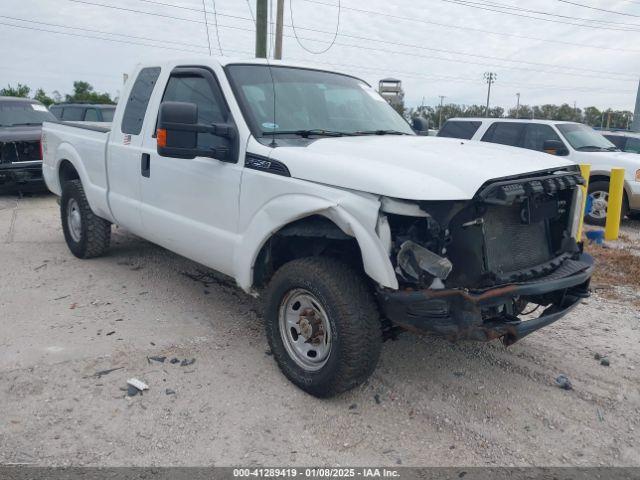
(83, 93)
(19, 91)
(42, 97)
(592, 116)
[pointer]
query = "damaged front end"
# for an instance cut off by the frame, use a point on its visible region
(20, 163)
(468, 269)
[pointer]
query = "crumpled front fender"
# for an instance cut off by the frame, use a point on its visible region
(356, 216)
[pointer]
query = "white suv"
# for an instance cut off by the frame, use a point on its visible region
(575, 141)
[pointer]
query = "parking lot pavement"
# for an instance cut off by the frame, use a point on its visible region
(430, 402)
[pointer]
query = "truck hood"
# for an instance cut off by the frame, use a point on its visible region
(605, 161)
(20, 133)
(410, 167)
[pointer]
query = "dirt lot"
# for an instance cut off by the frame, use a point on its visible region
(429, 403)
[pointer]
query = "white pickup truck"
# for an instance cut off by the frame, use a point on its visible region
(308, 189)
(574, 141)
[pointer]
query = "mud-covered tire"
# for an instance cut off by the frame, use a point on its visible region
(91, 236)
(352, 314)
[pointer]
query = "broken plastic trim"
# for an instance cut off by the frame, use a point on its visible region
(412, 257)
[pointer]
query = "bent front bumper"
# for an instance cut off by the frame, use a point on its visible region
(484, 315)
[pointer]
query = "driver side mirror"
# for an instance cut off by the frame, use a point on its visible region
(555, 147)
(177, 134)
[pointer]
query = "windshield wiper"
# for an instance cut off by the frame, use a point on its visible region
(592, 147)
(23, 124)
(306, 133)
(380, 132)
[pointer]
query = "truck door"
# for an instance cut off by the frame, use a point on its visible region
(190, 206)
(125, 149)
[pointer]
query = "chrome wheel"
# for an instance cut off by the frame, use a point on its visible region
(74, 220)
(305, 329)
(599, 202)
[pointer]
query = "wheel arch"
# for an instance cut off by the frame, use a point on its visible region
(604, 176)
(314, 217)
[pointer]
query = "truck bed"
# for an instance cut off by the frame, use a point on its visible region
(84, 144)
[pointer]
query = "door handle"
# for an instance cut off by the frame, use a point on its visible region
(145, 165)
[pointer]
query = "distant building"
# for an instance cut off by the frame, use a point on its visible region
(391, 91)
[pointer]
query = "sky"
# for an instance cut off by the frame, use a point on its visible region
(555, 52)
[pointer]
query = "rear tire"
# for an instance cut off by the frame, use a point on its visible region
(86, 234)
(347, 337)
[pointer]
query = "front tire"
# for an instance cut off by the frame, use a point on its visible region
(86, 234)
(599, 194)
(323, 325)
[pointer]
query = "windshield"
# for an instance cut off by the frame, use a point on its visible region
(24, 113)
(311, 101)
(585, 138)
(107, 114)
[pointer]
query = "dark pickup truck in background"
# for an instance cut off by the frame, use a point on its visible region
(20, 131)
(83, 112)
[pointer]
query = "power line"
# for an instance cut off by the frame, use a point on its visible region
(215, 20)
(495, 4)
(127, 42)
(350, 66)
(590, 7)
(473, 29)
(206, 25)
(454, 52)
(487, 7)
(335, 36)
(297, 37)
(102, 32)
(446, 59)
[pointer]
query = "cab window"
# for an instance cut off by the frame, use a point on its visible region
(464, 129)
(535, 134)
(505, 133)
(633, 145)
(73, 114)
(91, 115)
(138, 100)
(618, 140)
(196, 89)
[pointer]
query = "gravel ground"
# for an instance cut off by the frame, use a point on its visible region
(430, 403)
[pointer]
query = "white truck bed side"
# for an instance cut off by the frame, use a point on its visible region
(84, 146)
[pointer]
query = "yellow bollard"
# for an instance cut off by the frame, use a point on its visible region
(614, 204)
(585, 170)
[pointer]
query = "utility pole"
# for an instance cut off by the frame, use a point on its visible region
(490, 78)
(518, 106)
(442, 97)
(262, 21)
(279, 24)
(206, 25)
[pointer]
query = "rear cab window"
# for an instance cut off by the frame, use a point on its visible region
(107, 114)
(138, 100)
(464, 129)
(73, 114)
(505, 133)
(91, 115)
